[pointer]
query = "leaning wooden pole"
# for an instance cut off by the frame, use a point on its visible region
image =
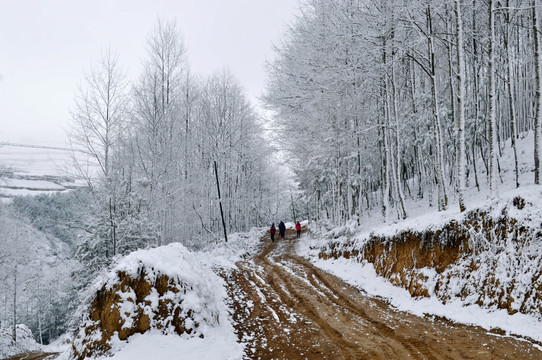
(220, 202)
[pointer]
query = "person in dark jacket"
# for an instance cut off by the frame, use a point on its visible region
(272, 232)
(282, 229)
(298, 228)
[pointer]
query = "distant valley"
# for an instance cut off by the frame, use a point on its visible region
(31, 170)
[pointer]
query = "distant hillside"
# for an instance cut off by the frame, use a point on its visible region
(32, 169)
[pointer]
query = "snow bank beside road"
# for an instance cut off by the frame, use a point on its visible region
(495, 265)
(364, 277)
(167, 301)
(239, 246)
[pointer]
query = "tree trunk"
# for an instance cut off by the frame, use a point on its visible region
(397, 172)
(441, 182)
(538, 99)
(397, 157)
(475, 95)
(492, 105)
(15, 305)
(461, 108)
(511, 91)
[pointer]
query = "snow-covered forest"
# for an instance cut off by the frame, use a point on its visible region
(156, 143)
(370, 107)
(153, 143)
(380, 101)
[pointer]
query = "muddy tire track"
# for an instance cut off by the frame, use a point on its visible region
(35, 356)
(285, 308)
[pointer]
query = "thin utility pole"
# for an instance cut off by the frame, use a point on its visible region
(15, 306)
(220, 202)
(293, 207)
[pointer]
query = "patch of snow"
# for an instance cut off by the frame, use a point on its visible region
(364, 277)
(239, 246)
(204, 298)
(219, 344)
(30, 184)
(25, 342)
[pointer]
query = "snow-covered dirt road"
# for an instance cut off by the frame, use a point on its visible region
(35, 356)
(285, 308)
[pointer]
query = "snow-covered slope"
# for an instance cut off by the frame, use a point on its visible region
(30, 170)
(482, 267)
(165, 302)
(33, 267)
(25, 342)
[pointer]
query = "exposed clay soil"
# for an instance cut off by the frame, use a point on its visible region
(285, 308)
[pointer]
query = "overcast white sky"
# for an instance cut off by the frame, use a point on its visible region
(46, 45)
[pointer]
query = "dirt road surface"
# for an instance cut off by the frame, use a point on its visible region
(35, 356)
(285, 308)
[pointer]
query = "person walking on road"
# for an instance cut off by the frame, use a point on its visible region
(298, 228)
(282, 229)
(272, 232)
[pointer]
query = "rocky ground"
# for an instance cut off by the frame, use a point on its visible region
(285, 308)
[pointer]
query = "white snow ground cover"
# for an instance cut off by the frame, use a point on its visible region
(423, 217)
(364, 277)
(207, 298)
(33, 170)
(25, 342)
(40, 160)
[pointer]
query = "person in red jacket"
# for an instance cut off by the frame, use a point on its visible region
(298, 228)
(272, 232)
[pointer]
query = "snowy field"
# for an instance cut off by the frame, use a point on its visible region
(32, 170)
(35, 160)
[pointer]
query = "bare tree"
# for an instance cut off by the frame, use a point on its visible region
(100, 112)
(99, 119)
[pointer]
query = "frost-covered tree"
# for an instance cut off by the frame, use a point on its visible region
(461, 89)
(99, 121)
(395, 95)
(180, 124)
(34, 276)
(159, 129)
(100, 112)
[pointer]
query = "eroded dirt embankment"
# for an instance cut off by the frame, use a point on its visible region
(285, 308)
(491, 258)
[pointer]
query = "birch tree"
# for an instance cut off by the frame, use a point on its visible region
(492, 118)
(538, 91)
(511, 87)
(461, 106)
